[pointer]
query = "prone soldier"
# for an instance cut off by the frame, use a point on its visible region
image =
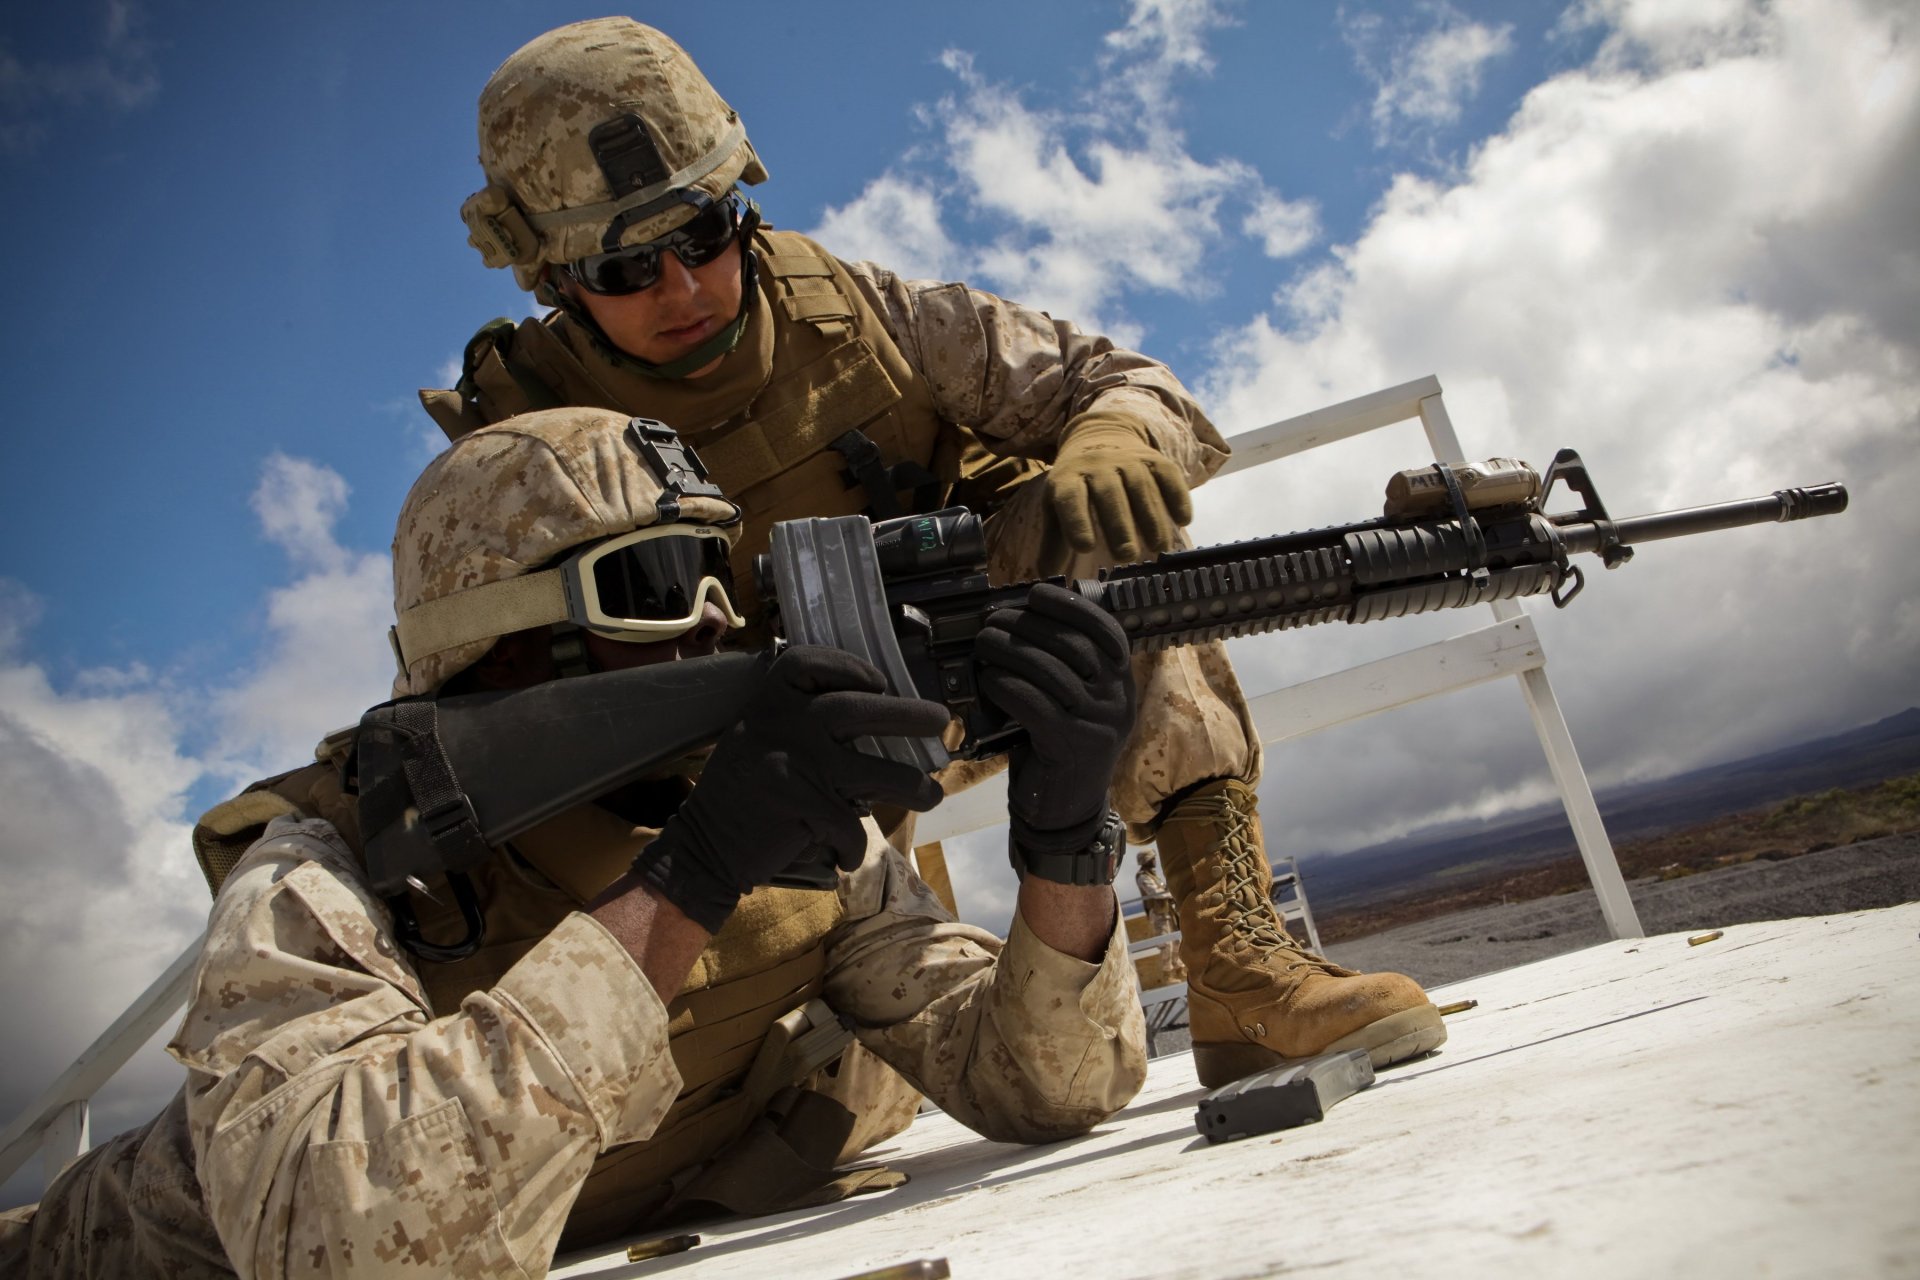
(650, 1030)
(818, 387)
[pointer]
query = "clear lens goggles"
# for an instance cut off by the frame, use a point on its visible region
(696, 242)
(651, 584)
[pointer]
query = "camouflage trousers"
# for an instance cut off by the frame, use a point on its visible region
(1194, 725)
(129, 1207)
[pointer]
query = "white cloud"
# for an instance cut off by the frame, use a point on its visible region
(1169, 33)
(20, 612)
(1695, 261)
(1425, 63)
(325, 654)
(1069, 207)
(95, 784)
(984, 887)
(326, 658)
(99, 874)
(1669, 33)
(297, 503)
(1161, 41)
(1282, 227)
(896, 222)
(1675, 258)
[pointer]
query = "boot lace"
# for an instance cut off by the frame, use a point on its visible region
(1246, 886)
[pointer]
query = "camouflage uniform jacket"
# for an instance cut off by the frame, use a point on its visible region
(334, 1121)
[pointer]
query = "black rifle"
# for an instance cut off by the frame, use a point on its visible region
(445, 779)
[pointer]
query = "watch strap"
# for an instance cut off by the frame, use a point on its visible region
(1096, 862)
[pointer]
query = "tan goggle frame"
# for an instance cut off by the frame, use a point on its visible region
(583, 598)
(564, 593)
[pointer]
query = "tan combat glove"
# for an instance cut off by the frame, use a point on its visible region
(1108, 482)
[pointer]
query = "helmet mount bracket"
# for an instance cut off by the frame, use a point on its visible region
(627, 154)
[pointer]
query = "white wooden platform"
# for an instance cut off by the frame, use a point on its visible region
(1749, 1106)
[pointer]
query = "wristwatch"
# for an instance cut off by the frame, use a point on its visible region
(1095, 863)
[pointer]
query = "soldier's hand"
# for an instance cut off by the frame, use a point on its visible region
(1061, 668)
(786, 777)
(1108, 482)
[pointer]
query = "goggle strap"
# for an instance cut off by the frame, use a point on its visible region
(516, 604)
(669, 186)
(480, 613)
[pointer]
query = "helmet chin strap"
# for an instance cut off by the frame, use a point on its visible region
(720, 344)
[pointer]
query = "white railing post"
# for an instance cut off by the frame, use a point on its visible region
(1508, 647)
(1563, 761)
(57, 1124)
(65, 1138)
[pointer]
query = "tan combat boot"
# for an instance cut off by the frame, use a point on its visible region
(1255, 997)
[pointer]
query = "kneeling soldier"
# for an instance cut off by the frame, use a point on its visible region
(819, 387)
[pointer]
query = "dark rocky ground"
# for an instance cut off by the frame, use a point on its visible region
(1463, 944)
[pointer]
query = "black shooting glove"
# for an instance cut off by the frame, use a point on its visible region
(1059, 666)
(787, 777)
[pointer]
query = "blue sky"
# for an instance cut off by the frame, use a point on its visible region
(239, 232)
(1679, 236)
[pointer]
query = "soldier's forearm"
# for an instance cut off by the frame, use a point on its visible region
(1075, 920)
(659, 937)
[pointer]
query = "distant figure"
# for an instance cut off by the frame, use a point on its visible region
(1162, 916)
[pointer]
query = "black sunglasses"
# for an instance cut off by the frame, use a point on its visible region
(696, 242)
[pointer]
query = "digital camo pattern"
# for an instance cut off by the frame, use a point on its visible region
(538, 109)
(503, 500)
(1018, 378)
(1013, 375)
(130, 1207)
(339, 1124)
(1020, 1045)
(1162, 912)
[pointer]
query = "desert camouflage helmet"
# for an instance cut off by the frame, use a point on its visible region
(593, 136)
(497, 506)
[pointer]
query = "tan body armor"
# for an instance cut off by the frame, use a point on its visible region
(814, 362)
(732, 1029)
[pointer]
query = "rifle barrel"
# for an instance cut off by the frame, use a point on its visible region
(1782, 505)
(1367, 572)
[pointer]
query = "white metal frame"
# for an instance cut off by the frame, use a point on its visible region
(1289, 894)
(57, 1124)
(1509, 647)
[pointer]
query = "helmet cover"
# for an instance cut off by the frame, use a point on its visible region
(504, 500)
(599, 127)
